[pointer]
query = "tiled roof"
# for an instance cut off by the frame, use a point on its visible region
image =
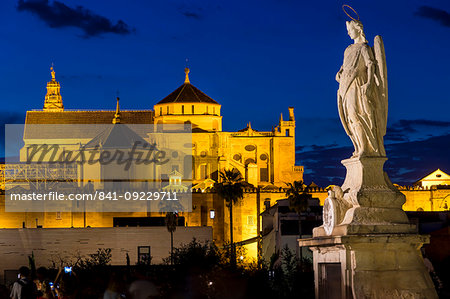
(187, 93)
(88, 117)
(80, 124)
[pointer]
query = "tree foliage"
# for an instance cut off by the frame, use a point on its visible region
(171, 222)
(195, 254)
(298, 196)
(231, 187)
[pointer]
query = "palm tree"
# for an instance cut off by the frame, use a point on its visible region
(231, 189)
(171, 224)
(171, 207)
(298, 197)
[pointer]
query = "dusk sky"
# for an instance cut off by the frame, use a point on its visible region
(255, 58)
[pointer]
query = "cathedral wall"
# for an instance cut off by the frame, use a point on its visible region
(284, 161)
(427, 200)
(178, 109)
(205, 116)
(205, 156)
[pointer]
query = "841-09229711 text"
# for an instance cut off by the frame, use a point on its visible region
(97, 195)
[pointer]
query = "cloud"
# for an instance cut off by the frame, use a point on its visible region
(322, 147)
(191, 12)
(322, 166)
(59, 15)
(414, 147)
(435, 14)
(409, 161)
(408, 130)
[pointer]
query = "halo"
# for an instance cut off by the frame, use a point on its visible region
(345, 6)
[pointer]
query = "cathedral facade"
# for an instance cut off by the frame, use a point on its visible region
(265, 160)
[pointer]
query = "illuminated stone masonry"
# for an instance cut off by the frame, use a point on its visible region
(266, 159)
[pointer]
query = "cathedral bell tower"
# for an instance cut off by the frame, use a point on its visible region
(287, 127)
(53, 98)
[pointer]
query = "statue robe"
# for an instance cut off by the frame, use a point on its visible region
(358, 108)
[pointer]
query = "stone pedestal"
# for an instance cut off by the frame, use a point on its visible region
(370, 266)
(366, 247)
(369, 202)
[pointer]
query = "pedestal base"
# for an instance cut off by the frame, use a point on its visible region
(367, 203)
(370, 266)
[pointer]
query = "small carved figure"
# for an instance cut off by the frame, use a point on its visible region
(334, 209)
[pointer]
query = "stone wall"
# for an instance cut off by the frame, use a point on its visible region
(426, 199)
(49, 244)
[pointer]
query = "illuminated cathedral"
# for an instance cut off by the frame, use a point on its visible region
(265, 160)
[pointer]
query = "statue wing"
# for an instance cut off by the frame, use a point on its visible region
(381, 74)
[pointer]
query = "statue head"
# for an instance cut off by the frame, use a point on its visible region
(356, 31)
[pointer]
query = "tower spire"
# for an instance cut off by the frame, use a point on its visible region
(116, 119)
(53, 98)
(53, 72)
(186, 71)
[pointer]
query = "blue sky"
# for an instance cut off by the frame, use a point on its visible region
(255, 57)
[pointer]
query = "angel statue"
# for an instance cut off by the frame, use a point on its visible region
(362, 94)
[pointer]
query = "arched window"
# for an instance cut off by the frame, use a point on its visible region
(263, 165)
(249, 160)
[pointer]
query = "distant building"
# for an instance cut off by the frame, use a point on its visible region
(429, 194)
(265, 159)
(436, 178)
(282, 227)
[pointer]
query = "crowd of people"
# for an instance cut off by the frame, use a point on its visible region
(65, 285)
